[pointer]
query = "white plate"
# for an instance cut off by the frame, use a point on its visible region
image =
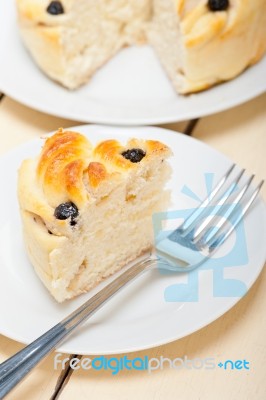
(138, 317)
(132, 89)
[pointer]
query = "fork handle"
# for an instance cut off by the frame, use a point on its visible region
(14, 369)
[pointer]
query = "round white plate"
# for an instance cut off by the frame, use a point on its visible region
(131, 89)
(138, 317)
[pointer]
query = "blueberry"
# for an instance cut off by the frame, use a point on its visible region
(218, 5)
(55, 8)
(67, 210)
(134, 155)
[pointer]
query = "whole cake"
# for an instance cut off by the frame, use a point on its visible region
(199, 42)
(87, 211)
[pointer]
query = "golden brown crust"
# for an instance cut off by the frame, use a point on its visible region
(58, 151)
(110, 152)
(155, 147)
(60, 168)
(68, 161)
(96, 174)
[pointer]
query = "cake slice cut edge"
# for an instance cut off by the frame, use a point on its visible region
(87, 211)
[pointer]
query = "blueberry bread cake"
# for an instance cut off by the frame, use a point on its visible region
(199, 42)
(204, 42)
(71, 39)
(87, 211)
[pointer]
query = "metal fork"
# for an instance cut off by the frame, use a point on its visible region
(183, 250)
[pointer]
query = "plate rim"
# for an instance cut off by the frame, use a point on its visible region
(128, 121)
(147, 121)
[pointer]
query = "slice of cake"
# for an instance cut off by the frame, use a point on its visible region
(87, 211)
